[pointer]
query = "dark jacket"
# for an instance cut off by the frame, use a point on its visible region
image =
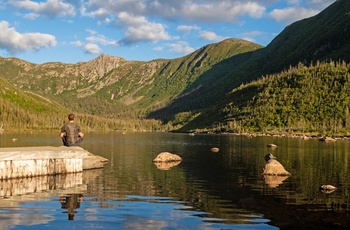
(71, 134)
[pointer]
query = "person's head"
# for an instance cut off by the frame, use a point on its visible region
(71, 117)
(70, 216)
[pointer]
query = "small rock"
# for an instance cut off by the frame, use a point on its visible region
(272, 146)
(327, 139)
(328, 188)
(214, 150)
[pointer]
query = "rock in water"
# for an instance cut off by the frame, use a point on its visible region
(167, 157)
(214, 150)
(272, 146)
(273, 167)
(328, 188)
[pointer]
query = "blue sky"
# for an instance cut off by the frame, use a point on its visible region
(71, 31)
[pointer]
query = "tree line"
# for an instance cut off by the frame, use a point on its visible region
(312, 99)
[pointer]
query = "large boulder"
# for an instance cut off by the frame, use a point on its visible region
(273, 167)
(167, 157)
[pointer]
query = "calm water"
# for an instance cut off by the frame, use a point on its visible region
(223, 190)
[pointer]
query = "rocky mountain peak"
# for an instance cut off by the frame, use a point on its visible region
(101, 65)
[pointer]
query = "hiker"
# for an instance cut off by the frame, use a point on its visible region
(70, 133)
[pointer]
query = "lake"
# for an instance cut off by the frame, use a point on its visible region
(207, 190)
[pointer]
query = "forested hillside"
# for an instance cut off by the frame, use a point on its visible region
(21, 110)
(302, 99)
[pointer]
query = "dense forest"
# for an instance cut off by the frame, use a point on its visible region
(302, 99)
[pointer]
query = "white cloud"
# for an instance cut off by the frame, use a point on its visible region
(158, 48)
(92, 43)
(14, 42)
(101, 39)
(220, 11)
(90, 31)
(139, 29)
(320, 4)
(187, 29)
(181, 47)
(92, 48)
(292, 14)
(32, 16)
(249, 36)
(293, 2)
(77, 43)
(211, 36)
(50, 8)
(103, 8)
(189, 10)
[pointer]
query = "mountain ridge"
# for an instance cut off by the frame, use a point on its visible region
(187, 90)
(119, 82)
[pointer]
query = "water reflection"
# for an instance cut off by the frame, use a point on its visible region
(224, 189)
(71, 202)
(166, 165)
(274, 181)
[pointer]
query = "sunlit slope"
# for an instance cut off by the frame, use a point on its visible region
(25, 109)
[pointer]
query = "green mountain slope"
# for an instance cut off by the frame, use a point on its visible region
(114, 87)
(20, 109)
(323, 37)
(314, 99)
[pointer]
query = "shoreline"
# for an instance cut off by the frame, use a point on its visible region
(305, 136)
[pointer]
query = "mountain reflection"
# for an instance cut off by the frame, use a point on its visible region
(225, 188)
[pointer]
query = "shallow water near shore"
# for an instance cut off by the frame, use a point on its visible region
(207, 190)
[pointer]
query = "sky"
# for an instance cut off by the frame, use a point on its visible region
(72, 31)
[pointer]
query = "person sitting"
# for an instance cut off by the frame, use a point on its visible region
(70, 133)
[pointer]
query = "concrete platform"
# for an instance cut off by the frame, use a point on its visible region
(19, 162)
